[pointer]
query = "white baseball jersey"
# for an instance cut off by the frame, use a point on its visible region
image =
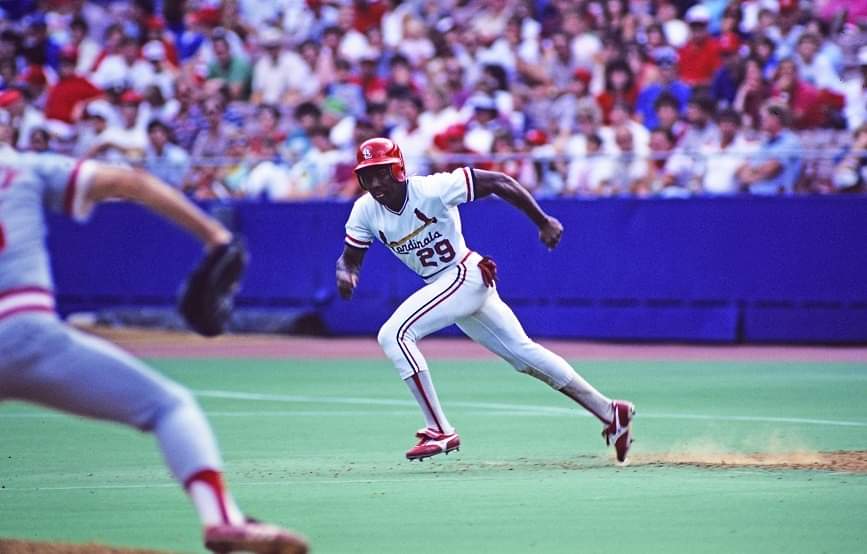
(425, 233)
(30, 183)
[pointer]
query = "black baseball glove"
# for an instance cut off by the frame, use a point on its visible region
(208, 296)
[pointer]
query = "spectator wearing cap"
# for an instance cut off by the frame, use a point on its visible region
(155, 30)
(700, 56)
(228, 69)
(85, 47)
(116, 69)
(645, 106)
(127, 141)
(154, 69)
(23, 117)
(94, 120)
(164, 159)
(722, 158)
(66, 99)
(855, 90)
(281, 76)
(776, 165)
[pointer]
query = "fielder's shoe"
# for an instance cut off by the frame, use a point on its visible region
(253, 536)
(619, 431)
(431, 443)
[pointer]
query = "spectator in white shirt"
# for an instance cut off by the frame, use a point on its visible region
(153, 70)
(116, 69)
(281, 76)
(723, 158)
(856, 94)
(813, 66)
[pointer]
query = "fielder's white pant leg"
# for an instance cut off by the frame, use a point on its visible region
(459, 291)
(497, 328)
(46, 362)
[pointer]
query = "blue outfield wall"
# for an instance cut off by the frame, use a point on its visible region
(741, 269)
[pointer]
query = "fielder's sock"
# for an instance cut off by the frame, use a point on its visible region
(213, 503)
(591, 399)
(426, 395)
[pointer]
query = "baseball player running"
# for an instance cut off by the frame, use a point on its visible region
(418, 220)
(44, 361)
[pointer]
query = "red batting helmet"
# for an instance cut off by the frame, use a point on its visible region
(381, 151)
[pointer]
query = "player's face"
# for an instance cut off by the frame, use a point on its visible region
(380, 183)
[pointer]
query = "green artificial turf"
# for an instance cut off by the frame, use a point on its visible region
(318, 445)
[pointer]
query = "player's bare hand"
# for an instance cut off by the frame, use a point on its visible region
(346, 283)
(551, 232)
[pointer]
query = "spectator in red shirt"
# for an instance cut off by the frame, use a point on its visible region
(700, 56)
(67, 98)
(619, 88)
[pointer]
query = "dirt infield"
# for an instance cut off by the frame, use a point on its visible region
(167, 344)
(28, 547)
(841, 461)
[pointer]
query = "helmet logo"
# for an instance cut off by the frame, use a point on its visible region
(366, 153)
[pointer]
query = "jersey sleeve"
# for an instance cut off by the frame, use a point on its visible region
(66, 181)
(358, 232)
(453, 188)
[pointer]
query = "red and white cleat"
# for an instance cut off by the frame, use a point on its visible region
(253, 536)
(431, 443)
(619, 431)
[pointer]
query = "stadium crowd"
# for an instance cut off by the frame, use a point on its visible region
(268, 98)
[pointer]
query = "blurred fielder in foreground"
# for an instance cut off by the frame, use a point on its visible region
(44, 361)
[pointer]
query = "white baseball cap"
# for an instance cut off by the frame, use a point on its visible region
(154, 51)
(698, 14)
(270, 37)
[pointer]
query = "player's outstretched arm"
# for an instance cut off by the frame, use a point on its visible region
(112, 182)
(507, 188)
(348, 268)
